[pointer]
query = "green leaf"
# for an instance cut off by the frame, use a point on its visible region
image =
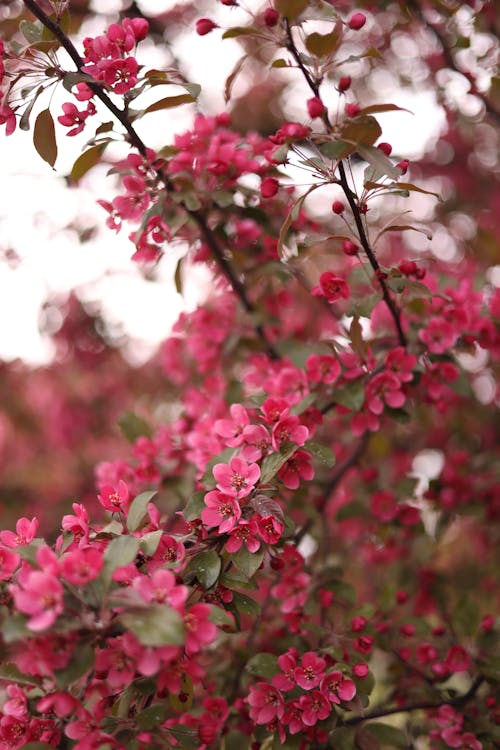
(356, 336)
(387, 735)
(206, 567)
(263, 665)
(86, 161)
(280, 63)
(194, 506)
(14, 628)
(138, 510)
(44, 137)
(322, 44)
(185, 736)
(152, 716)
(221, 618)
(351, 395)
(291, 8)
(273, 463)
(148, 544)
(336, 149)
(192, 88)
(120, 551)
(321, 452)
(24, 122)
(71, 79)
(248, 562)
(38, 746)
(236, 31)
(156, 625)
(80, 663)
(32, 32)
(466, 616)
(169, 102)
(244, 604)
(11, 673)
(354, 509)
(379, 161)
(134, 427)
(403, 228)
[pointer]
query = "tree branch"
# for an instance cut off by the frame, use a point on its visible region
(198, 217)
(370, 253)
(456, 702)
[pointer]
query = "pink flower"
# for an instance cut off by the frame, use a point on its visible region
(270, 529)
(266, 703)
(315, 707)
(296, 468)
(8, 563)
(40, 596)
(257, 442)
(232, 429)
(289, 429)
(439, 335)
(244, 533)
(160, 587)
(7, 118)
(337, 688)
(383, 505)
(384, 389)
(311, 671)
(81, 565)
(288, 664)
(238, 478)
(25, 533)
(200, 631)
(115, 500)
(331, 287)
(222, 510)
(323, 368)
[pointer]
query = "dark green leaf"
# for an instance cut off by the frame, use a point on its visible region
(321, 452)
(152, 716)
(379, 161)
(221, 618)
(11, 673)
(44, 137)
(273, 463)
(248, 562)
(263, 665)
(194, 506)
(336, 149)
(156, 625)
(86, 161)
(351, 395)
(206, 567)
(80, 663)
(322, 44)
(121, 551)
(185, 736)
(138, 510)
(24, 122)
(244, 604)
(291, 8)
(387, 735)
(32, 32)
(134, 427)
(148, 544)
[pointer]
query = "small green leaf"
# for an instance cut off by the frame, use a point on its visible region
(322, 44)
(148, 544)
(169, 102)
(38, 746)
(336, 149)
(138, 510)
(273, 463)
(387, 736)
(133, 427)
(152, 716)
(192, 88)
(291, 8)
(280, 63)
(24, 122)
(379, 161)
(155, 625)
(321, 452)
(121, 551)
(86, 161)
(32, 32)
(263, 665)
(185, 736)
(351, 395)
(11, 673)
(415, 189)
(178, 276)
(194, 506)
(248, 562)
(221, 618)
(236, 31)
(206, 567)
(44, 137)
(244, 604)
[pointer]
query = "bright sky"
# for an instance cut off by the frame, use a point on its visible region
(37, 209)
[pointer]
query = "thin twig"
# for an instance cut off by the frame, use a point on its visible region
(363, 238)
(196, 215)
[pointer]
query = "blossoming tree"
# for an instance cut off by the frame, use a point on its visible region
(301, 553)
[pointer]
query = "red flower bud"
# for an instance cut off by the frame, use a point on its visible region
(403, 166)
(386, 148)
(271, 17)
(337, 207)
(357, 21)
(350, 248)
(204, 26)
(352, 110)
(269, 187)
(344, 83)
(315, 107)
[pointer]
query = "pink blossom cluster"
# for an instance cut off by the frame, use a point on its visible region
(315, 687)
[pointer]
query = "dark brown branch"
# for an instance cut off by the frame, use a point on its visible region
(363, 238)
(197, 216)
(456, 702)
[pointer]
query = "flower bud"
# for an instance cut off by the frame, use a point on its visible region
(386, 148)
(344, 83)
(357, 21)
(269, 187)
(315, 107)
(271, 17)
(352, 110)
(337, 207)
(204, 26)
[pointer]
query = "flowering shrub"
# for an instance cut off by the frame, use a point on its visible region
(280, 562)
